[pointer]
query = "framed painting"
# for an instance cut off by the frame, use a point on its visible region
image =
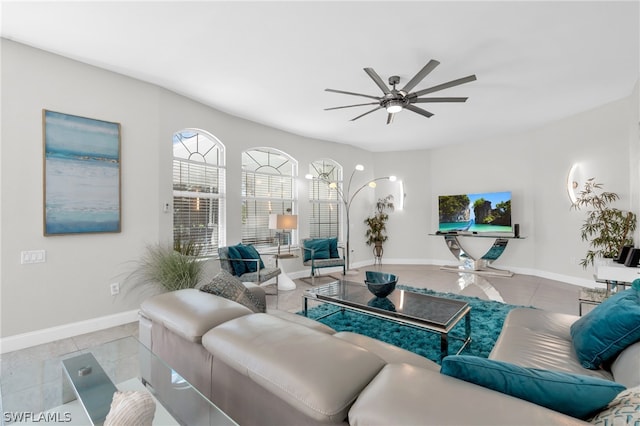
(81, 174)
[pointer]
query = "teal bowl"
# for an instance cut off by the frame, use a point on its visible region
(380, 284)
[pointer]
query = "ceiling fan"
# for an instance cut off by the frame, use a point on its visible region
(395, 100)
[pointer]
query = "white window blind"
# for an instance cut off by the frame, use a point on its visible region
(325, 211)
(198, 191)
(268, 186)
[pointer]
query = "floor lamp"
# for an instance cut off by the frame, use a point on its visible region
(346, 197)
(285, 223)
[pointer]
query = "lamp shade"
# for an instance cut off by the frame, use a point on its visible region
(283, 221)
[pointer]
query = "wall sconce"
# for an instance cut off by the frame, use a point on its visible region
(572, 183)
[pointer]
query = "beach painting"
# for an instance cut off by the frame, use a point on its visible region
(81, 174)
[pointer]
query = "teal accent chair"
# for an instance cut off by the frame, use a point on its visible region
(319, 253)
(251, 269)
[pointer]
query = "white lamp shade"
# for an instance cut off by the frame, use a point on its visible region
(283, 221)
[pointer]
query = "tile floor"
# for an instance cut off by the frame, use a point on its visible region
(28, 379)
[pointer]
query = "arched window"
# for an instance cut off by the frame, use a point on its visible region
(324, 218)
(198, 191)
(268, 186)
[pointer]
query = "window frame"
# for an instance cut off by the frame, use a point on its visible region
(321, 172)
(194, 158)
(260, 201)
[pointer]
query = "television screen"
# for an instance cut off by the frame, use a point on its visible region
(486, 212)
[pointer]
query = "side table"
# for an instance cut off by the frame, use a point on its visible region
(591, 297)
(285, 283)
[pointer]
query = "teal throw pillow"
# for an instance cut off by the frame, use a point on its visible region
(333, 248)
(238, 266)
(576, 395)
(320, 249)
(608, 329)
(250, 252)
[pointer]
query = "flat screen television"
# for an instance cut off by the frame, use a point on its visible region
(488, 212)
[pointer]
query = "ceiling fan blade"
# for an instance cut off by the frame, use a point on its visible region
(351, 93)
(442, 86)
(420, 75)
(419, 110)
(376, 78)
(429, 100)
(368, 112)
(349, 106)
(390, 117)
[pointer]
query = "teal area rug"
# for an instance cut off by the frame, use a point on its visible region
(487, 318)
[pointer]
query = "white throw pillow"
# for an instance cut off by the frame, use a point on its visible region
(622, 411)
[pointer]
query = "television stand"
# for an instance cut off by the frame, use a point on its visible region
(481, 266)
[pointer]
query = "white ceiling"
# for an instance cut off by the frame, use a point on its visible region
(271, 61)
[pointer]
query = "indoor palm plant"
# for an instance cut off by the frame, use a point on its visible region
(606, 228)
(376, 233)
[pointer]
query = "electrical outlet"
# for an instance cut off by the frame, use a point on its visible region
(115, 288)
(33, 256)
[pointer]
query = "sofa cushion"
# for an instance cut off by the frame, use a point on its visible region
(536, 338)
(190, 313)
(312, 371)
(226, 285)
(609, 328)
(405, 395)
(623, 410)
(572, 394)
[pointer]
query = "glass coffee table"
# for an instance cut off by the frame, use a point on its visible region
(80, 387)
(434, 314)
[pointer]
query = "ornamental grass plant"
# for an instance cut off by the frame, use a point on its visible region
(166, 268)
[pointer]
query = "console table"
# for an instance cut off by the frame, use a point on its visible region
(472, 265)
(616, 274)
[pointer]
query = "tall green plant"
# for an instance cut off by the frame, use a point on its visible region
(163, 268)
(377, 224)
(606, 228)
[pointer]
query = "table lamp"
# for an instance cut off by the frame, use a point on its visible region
(283, 222)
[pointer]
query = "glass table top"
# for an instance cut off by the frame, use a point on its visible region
(126, 363)
(402, 304)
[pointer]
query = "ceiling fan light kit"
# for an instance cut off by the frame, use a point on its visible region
(394, 100)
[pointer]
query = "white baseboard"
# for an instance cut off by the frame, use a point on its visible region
(582, 282)
(47, 335)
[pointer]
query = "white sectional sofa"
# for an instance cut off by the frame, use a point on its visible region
(279, 368)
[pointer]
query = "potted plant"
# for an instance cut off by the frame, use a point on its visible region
(377, 231)
(606, 228)
(166, 268)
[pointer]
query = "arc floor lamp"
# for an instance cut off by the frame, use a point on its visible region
(347, 196)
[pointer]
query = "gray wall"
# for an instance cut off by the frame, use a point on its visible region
(72, 287)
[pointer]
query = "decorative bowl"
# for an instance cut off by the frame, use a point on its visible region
(382, 303)
(380, 284)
